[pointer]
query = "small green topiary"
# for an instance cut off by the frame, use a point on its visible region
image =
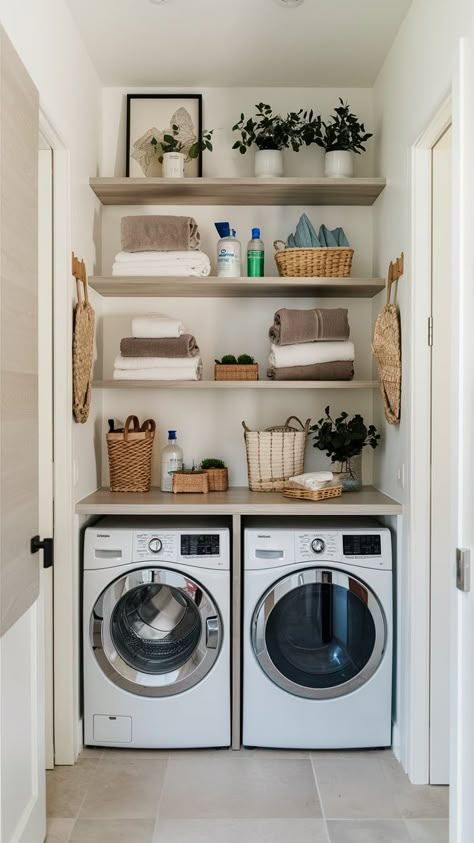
(245, 359)
(230, 360)
(212, 463)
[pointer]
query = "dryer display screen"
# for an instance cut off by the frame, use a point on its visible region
(200, 545)
(354, 545)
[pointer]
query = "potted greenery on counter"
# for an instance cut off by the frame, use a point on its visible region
(271, 134)
(230, 368)
(341, 136)
(217, 473)
(344, 439)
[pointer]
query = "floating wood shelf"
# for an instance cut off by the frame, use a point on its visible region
(237, 500)
(266, 384)
(249, 191)
(172, 286)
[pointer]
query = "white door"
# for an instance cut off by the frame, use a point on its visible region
(21, 608)
(461, 429)
(442, 510)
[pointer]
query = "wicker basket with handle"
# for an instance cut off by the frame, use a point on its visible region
(275, 454)
(322, 262)
(130, 453)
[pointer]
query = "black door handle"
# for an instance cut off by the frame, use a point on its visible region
(47, 546)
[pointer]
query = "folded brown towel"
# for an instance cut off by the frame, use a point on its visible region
(295, 326)
(183, 346)
(340, 370)
(159, 233)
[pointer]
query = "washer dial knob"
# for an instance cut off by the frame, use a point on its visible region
(155, 545)
(318, 545)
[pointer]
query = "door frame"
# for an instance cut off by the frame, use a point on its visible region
(65, 626)
(418, 713)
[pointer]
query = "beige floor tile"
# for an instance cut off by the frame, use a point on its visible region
(59, 830)
(91, 753)
(368, 831)
(241, 831)
(247, 788)
(124, 790)
(355, 789)
(110, 755)
(66, 788)
(260, 752)
(113, 831)
(428, 831)
(422, 801)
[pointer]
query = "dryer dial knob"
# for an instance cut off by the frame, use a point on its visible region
(318, 545)
(155, 545)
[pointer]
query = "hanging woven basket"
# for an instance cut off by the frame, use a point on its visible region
(82, 345)
(386, 347)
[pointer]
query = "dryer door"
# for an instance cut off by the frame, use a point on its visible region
(155, 632)
(319, 633)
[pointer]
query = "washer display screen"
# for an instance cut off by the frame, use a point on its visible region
(368, 545)
(200, 545)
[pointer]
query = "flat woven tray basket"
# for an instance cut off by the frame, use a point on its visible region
(324, 262)
(332, 491)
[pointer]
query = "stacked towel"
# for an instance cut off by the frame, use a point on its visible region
(159, 350)
(311, 345)
(312, 480)
(161, 245)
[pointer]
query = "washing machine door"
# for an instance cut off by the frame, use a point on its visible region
(155, 632)
(319, 633)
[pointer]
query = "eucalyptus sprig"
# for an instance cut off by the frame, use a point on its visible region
(343, 438)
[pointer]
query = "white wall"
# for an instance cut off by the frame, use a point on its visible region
(415, 80)
(209, 423)
(46, 38)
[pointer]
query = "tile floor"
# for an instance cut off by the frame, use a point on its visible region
(252, 796)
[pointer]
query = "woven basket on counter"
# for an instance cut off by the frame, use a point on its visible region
(130, 452)
(333, 490)
(190, 481)
(275, 454)
(236, 372)
(323, 262)
(218, 479)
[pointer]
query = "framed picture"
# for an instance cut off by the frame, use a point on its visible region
(149, 118)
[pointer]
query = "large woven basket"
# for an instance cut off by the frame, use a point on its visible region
(387, 351)
(324, 262)
(275, 454)
(130, 454)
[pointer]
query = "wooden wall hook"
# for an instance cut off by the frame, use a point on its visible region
(80, 274)
(395, 271)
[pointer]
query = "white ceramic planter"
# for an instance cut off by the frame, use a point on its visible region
(268, 163)
(339, 164)
(173, 165)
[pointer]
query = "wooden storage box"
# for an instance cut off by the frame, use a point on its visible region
(190, 481)
(236, 372)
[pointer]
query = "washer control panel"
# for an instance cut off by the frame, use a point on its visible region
(324, 546)
(203, 549)
(150, 545)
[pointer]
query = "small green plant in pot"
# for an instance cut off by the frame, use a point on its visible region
(175, 152)
(344, 439)
(217, 473)
(271, 134)
(343, 135)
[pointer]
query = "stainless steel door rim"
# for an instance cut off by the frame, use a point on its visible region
(311, 577)
(170, 595)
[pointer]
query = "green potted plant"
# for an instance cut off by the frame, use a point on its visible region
(271, 134)
(241, 368)
(341, 137)
(173, 151)
(344, 439)
(217, 473)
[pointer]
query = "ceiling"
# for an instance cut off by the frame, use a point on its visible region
(322, 43)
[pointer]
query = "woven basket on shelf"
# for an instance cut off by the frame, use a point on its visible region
(331, 491)
(323, 262)
(218, 479)
(190, 481)
(130, 453)
(236, 372)
(275, 454)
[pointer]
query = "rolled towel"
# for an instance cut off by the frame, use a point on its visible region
(338, 370)
(184, 346)
(308, 353)
(298, 326)
(156, 326)
(161, 373)
(162, 263)
(162, 232)
(134, 363)
(313, 480)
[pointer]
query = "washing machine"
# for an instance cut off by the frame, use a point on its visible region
(317, 648)
(156, 637)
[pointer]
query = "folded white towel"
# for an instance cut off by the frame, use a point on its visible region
(313, 480)
(307, 353)
(156, 326)
(161, 373)
(134, 363)
(192, 263)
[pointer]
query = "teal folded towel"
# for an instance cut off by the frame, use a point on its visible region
(305, 236)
